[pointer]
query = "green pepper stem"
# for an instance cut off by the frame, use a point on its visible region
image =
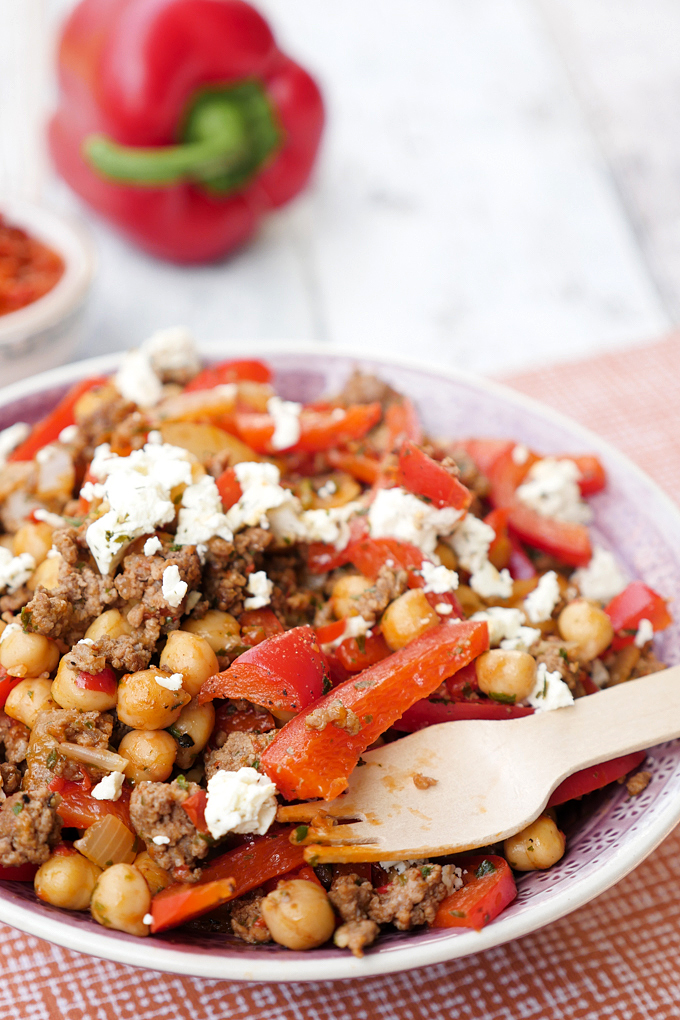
(228, 134)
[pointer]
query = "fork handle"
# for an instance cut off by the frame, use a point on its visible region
(612, 723)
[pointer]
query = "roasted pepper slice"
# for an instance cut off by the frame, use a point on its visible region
(488, 888)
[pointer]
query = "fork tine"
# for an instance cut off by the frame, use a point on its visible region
(316, 853)
(312, 809)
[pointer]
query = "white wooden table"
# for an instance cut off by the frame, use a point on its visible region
(478, 200)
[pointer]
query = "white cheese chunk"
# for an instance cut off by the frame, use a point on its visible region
(330, 526)
(137, 381)
(601, 579)
(520, 454)
(14, 570)
(260, 588)
(327, 490)
(54, 520)
(161, 840)
(551, 489)
(471, 541)
(443, 608)
(286, 415)
(645, 633)
(174, 588)
(506, 628)
(109, 788)
(68, 434)
(242, 801)
(201, 516)
(152, 545)
(355, 626)
(171, 683)
(172, 350)
(147, 919)
(261, 493)
(91, 491)
(438, 579)
(539, 603)
(550, 691)
(491, 583)
(11, 437)
(395, 513)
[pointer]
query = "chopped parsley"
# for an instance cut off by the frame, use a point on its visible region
(487, 867)
(504, 699)
(18, 808)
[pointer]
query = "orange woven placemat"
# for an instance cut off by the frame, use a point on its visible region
(618, 957)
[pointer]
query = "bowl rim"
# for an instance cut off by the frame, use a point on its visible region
(402, 956)
(72, 241)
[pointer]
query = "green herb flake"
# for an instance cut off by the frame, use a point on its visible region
(563, 654)
(503, 699)
(361, 642)
(18, 808)
(487, 867)
(51, 759)
(256, 764)
(327, 685)
(457, 913)
(301, 833)
(181, 780)
(426, 870)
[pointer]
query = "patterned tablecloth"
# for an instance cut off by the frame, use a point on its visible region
(616, 957)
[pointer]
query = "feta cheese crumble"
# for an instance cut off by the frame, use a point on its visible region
(520, 454)
(438, 579)
(11, 628)
(242, 801)
(171, 683)
(286, 415)
(109, 788)
(136, 380)
(539, 603)
(330, 526)
(11, 437)
(14, 570)
(54, 520)
(172, 350)
(645, 633)
(152, 545)
(491, 583)
(161, 840)
(68, 434)
(261, 493)
(147, 919)
(174, 589)
(395, 513)
(601, 579)
(551, 489)
(471, 541)
(260, 588)
(550, 691)
(443, 608)
(327, 490)
(506, 628)
(201, 515)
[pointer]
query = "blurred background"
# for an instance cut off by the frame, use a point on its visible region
(498, 185)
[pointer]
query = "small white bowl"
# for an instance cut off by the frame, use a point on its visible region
(46, 332)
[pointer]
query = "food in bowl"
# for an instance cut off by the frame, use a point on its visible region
(211, 583)
(28, 268)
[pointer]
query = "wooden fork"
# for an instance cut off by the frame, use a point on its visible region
(491, 778)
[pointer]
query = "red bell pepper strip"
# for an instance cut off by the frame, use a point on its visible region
(319, 430)
(195, 808)
(636, 602)
(78, 808)
(258, 624)
(359, 465)
(426, 477)
(568, 542)
(7, 683)
(485, 452)
(330, 631)
(247, 867)
(230, 372)
(229, 488)
(370, 555)
(594, 778)
(488, 888)
(20, 873)
(593, 476)
(429, 713)
(322, 557)
(181, 121)
(463, 683)
(285, 671)
(306, 762)
(520, 566)
(48, 428)
(230, 719)
(105, 681)
(402, 423)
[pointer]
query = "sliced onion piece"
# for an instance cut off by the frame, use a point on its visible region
(100, 757)
(107, 842)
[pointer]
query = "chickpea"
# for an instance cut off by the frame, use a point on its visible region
(298, 914)
(347, 591)
(7, 542)
(28, 699)
(156, 878)
(151, 754)
(196, 722)
(588, 626)
(25, 654)
(407, 618)
(46, 574)
(538, 846)
(191, 656)
(110, 624)
(67, 880)
(506, 675)
(68, 694)
(121, 898)
(35, 539)
(447, 556)
(220, 630)
(145, 704)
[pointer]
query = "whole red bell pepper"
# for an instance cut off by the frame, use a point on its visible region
(181, 121)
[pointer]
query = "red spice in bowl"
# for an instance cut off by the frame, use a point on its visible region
(28, 268)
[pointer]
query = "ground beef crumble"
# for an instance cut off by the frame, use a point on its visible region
(637, 783)
(29, 827)
(336, 713)
(247, 921)
(389, 584)
(44, 760)
(14, 737)
(412, 898)
(156, 810)
(240, 750)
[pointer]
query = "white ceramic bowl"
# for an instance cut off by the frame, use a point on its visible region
(46, 332)
(633, 517)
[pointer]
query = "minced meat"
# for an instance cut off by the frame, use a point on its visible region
(336, 713)
(389, 584)
(412, 899)
(29, 827)
(14, 737)
(351, 896)
(10, 778)
(356, 935)
(240, 750)
(247, 921)
(45, 761)
(156, 811)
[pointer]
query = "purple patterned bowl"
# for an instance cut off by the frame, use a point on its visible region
(633, 517)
